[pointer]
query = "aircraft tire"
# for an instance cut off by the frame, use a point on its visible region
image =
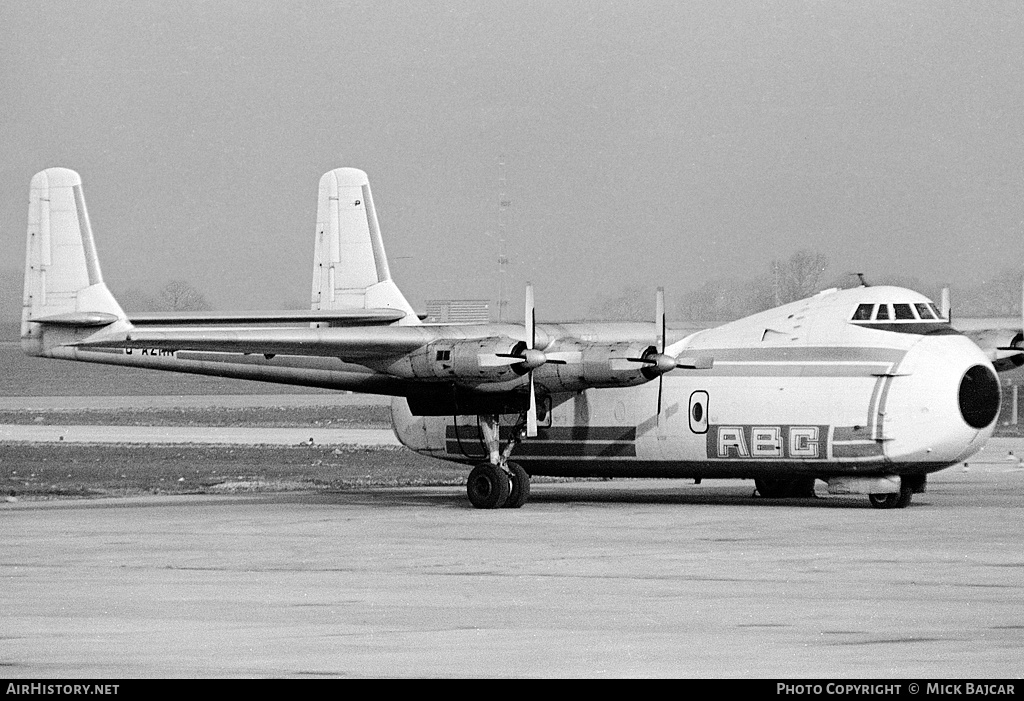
(520, 489)
(893, 501)
(488, 486)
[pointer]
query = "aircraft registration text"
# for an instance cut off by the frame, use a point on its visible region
(150, 351)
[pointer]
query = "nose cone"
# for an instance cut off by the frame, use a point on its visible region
(942, 403)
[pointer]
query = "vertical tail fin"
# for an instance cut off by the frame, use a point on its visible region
(350, 269)
(63, 283)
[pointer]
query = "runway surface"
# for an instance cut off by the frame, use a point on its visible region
(617, 578)
(183, 435)
(177, 401)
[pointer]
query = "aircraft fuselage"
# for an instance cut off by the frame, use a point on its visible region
(818, 397)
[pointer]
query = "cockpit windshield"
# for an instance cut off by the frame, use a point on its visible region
(898, 311)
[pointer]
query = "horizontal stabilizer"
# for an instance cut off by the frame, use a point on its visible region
(77, 319)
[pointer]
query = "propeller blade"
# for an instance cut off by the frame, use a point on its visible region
(531, 321)
(700, 362)
(659, 319)
(659, 343)
(531, 341)
(490, 360)
(531, 415)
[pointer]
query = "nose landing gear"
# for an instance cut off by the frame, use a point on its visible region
(899, 500)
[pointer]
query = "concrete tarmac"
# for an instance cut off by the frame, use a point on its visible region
(625, 578)
(185, 435)
(193, 401)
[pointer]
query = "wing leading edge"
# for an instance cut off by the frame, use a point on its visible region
(331, 317)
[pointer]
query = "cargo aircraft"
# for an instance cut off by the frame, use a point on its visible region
(868, 389)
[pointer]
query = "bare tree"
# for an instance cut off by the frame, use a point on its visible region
(720, 299)
(180, 296)
(632, 304)
(1000, 296)
(799, 277)
(175, 296)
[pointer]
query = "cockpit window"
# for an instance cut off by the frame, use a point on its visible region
(903, 312)
(863, 312)
(923, 311)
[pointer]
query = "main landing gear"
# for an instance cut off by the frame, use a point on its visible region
(498, 483)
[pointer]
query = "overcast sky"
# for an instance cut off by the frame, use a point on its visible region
(646, 143)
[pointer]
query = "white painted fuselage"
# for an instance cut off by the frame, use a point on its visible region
(802, 389)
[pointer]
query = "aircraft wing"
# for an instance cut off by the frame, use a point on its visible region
(1003, 344)
(1001, 339)
(334, 317)
(351, 344)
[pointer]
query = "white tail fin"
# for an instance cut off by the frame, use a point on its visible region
(63, 284)
(350, 269)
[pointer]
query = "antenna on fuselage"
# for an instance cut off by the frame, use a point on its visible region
(863, 281)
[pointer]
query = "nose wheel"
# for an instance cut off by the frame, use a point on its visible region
(900, 500)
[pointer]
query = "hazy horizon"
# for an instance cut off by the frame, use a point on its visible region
(646, 144)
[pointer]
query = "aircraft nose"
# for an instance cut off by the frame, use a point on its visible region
(942, 402)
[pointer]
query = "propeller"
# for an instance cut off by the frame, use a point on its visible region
(531, 340)
(529, 359)
(658, 362)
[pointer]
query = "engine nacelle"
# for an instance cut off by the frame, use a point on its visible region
(470, 362)
(590, 365)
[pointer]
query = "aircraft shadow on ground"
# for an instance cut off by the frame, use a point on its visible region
(450, 498)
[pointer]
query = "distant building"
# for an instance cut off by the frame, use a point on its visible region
(458, 311)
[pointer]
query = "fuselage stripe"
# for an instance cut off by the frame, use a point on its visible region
(550, 434)
(857, 450)
(555, 450)
(802, 354)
